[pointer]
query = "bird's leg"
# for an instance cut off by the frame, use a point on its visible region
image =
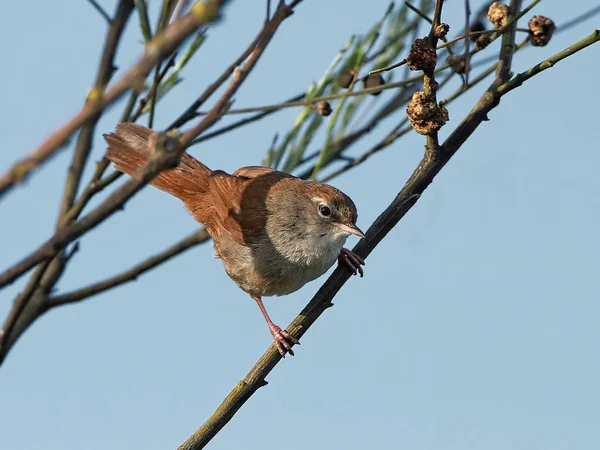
(351, 260)
(283, 339)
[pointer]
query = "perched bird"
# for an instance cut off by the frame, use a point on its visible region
(274, 232)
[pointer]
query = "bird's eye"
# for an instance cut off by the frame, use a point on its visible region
(324, 210)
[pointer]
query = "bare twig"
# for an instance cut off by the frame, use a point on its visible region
(196, 238)
(390, 67)
(100, 10)
(239, 123)
(190, 112)
(429, 84)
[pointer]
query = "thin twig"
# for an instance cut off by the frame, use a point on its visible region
(190, 112)
(196, 238)
(101, 10)
(312, 101)
(390, 67)
(430, 86)
(239, 123)
(467, 42)
(20, 303)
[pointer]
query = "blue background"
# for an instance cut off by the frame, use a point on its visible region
(475, 326)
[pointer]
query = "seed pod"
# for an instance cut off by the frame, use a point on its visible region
(498, 14)
(482, 41)
(373, 80)
(323, 108)
(346, 78)
(541, 29)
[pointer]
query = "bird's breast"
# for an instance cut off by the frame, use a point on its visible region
(279, 267)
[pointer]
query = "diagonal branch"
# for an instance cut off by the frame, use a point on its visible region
(421, 178)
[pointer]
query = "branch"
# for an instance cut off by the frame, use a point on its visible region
(239, 75)
(105, 72)
(190, 112)
(239, 123)
(421, 178)
(101, 11)
(98, 99)
(548, 63)
(198, 237)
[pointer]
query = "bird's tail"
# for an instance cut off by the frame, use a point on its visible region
(128, 150)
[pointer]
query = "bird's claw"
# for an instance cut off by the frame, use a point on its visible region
(283, 340)
(351, 260)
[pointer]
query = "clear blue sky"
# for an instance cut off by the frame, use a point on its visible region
(475, 326)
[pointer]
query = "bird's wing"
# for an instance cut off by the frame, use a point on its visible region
(258, 171)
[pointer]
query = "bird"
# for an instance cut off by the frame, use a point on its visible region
(273, 232)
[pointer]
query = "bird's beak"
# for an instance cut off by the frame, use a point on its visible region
(350, 229)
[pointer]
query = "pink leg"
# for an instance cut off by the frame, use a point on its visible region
(283, 339)
(351, 260)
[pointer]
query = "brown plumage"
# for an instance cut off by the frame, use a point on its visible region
(274, 232)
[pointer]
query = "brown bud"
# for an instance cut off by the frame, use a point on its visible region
(482, 41)
(425, 116)
(498, 14)
(422, 56)
(323, 108)
(476, 27)
(457, 63)
(346, 78)
(541, 29)
(373, 80)
(441, 30)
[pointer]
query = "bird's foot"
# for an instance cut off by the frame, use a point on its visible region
(351, 260)
(283, 340)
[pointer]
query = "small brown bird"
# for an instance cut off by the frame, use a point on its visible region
(274, 232)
